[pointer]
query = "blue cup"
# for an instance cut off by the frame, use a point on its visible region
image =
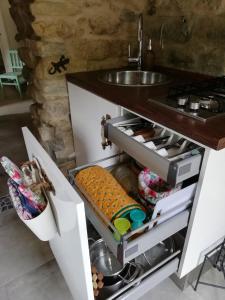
(137, 217)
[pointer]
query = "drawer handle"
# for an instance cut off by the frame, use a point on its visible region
(105, 141)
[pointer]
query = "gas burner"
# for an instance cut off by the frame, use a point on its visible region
(210, 103)
(202, 100)
(182, 100)
(194, 106)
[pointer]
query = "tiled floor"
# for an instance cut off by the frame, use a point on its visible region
(167, 290)
(20, 251)
(28, 272)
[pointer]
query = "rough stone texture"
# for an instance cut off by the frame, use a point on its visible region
(93, 34)
(193, 35)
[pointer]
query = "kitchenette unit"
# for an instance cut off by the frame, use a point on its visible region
(175, 130)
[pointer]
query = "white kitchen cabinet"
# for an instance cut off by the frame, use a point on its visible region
(207, 223)
(87, 111)
(204, 221)
(70, 244)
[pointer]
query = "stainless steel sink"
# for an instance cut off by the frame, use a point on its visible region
(134, 78)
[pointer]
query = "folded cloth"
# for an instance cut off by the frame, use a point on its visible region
(20, 188)
(12, 170)
(24, 207)
(37, 198)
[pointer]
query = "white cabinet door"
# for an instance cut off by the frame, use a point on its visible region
(70, 245)
(207, 222)
(87, 111)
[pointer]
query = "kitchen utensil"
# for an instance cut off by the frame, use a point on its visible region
(179, 145)
(112, 285)
(103, 259)
(137, 216)
(122, 225)
(135, 126)
(155, 255)
(153, 143)
(147, 132)
(159, 140)
(97, 281)
(126, 177)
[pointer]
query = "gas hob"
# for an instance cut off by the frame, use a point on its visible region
(203, 100)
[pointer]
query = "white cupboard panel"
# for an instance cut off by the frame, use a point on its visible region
(87, 111)
(207, 222)
(70, 245)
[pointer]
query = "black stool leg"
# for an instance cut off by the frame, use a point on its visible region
(200, 273)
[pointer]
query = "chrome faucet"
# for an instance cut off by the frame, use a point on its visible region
(138, 59)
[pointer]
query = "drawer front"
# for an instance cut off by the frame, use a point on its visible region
(128, 250)
(173, 170)
(149, 281)
(171, 220)
(174, 204)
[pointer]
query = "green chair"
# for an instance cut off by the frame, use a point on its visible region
(15, 77)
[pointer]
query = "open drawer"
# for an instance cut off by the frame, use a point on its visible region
(151, 233)
(141, 274)
(144, 283)
(176, 168)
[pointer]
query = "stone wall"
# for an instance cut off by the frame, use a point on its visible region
(193, 34)
(93, 34)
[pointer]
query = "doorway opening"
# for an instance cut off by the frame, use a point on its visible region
(13, 98)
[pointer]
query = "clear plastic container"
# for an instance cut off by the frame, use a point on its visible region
(126, 178)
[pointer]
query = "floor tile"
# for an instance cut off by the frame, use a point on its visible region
(167, 290)
(45, 283)
(3, 293)
(7, 217)
(20, 251)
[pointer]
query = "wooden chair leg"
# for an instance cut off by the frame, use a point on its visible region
(19, 87)
(1, 87)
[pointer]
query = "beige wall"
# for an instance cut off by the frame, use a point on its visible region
(193, 35)
(10, 26)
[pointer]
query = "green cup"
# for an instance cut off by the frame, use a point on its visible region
(122, 225)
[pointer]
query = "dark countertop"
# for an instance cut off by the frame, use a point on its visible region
(211, 133)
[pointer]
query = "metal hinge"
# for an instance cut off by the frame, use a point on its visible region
(105, 141)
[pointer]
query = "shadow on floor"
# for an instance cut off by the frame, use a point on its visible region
(10, 95)
(12, 143)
